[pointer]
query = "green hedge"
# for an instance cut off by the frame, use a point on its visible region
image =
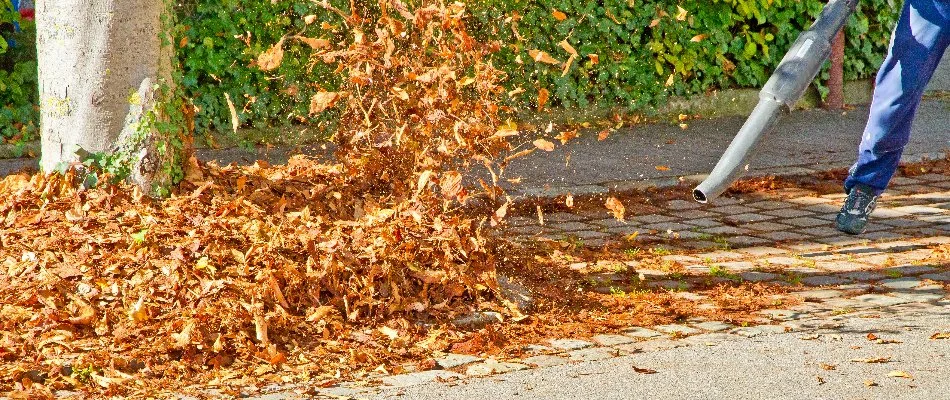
(646, 50)
(19, 116)
(640, 46)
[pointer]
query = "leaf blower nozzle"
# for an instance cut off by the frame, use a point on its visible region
(784, 88)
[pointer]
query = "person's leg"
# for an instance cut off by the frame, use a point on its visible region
(917, 45)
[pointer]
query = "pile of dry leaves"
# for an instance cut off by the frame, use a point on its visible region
(247, 271)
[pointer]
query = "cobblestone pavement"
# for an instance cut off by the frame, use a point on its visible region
(783, 237)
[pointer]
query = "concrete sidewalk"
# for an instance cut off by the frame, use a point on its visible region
(659, 154)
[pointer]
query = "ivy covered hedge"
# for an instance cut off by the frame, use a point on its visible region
(630, 54)
(19, 116)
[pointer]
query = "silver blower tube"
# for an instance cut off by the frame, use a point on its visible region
(784, 88)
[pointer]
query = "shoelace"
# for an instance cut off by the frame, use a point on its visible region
(860, 203)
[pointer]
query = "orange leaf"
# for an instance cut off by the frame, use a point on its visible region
(594, 58)
(567, 136)
(616, 207)
(271, 59)
(662, 168)
(322, 101)
(603, 134)
(567, 47)
(543, 96)
(559, 15)
(698, 38)
(540, 56)
(681, 15)
(315, 44)
(544, 145)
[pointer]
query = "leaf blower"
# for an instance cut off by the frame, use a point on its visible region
(783, 89)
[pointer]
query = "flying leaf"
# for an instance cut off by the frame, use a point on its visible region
(567, 47)
(320, 313)
(543, 96)
(451, 184)
(507, 129)
(322, 101)
(271, 59)
(566, 136)
(569, 201)
(309, 19)
(559, 15)
(540, 56)
(500, 214)
(698, 38)
(615, 207)
(544, 145)
(681, 15)
(235, 122)
(423, 180)
(391, 333)
(646, 371)
(315, 44)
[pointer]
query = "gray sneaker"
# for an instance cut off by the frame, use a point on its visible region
(853, 216)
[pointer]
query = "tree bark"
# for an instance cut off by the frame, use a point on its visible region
(93, 57)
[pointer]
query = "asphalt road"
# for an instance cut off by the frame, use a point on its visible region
(782, 366)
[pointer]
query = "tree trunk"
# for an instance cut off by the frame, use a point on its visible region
(98, 63)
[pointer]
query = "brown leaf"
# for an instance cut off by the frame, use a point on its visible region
(940, 335)
(877, 360)
(193, 172)
(566, 136)
(315, 44)
(615, 207)
(271, 59)
(646, 371)
(872, 336)
(87, 315)
(423, 180)
(183, 338)
(500, 214)
(594, 58)
(869, 383)
(322, 101)
(899, 374)
(543, 145)
(698, 38)
(543, 95)
(603, 134)
(567, 47)
(827, 367)
(451, 184)
(542, 57)
(235, 122)
(320, 313)
(681, 15)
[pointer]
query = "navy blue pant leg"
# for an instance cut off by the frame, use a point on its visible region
(917, 45)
